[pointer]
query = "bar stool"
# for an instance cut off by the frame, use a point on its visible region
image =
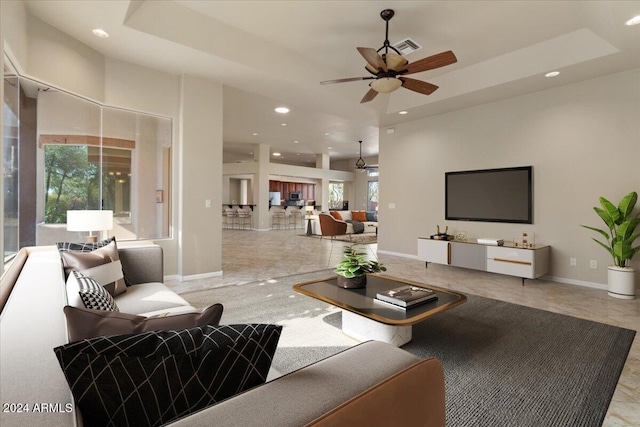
(277, 218)
(230, 216)
(244, 218)
(295, 217)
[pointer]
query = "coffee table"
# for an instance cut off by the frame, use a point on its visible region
(365, 318)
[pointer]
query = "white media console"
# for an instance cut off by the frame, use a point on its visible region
(527, 263)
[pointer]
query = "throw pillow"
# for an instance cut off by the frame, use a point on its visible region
(155, 377)
(93, 294)
(102, 264)
(336, 215)
(84, 323)
(372, 216)
(88, 247)
(359, 216)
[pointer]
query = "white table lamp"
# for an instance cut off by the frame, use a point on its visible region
(90, 220)
(308, 210)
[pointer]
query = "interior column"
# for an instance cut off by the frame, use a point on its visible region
(200, 195)
(322, 187)
(261, 188)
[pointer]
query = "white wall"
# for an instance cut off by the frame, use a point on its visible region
(583, 141)
(14, 30)
(56, 58)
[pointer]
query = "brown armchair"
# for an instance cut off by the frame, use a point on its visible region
(329, 226)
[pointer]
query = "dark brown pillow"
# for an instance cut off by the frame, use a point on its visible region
(94, 264)
(84, 323)
(336, 215)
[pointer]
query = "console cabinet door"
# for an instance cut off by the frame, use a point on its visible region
(511, 261)
(437, 251)
(468, 255)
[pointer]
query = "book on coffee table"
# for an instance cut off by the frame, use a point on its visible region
(407, 296)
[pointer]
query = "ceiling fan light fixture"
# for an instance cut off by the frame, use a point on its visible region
(385, 84)
(371, 69)
(395, 62)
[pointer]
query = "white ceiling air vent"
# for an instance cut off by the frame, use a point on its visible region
(407, 46)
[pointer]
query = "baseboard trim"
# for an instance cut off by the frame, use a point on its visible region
(199, 276)
(398, 254)
(171, 277)
(582, 283)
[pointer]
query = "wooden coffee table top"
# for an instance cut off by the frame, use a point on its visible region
(362, 301)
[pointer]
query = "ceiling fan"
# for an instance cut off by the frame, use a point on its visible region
(361, 165)
(389, 68)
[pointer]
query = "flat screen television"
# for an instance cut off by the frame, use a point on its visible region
(490, 195)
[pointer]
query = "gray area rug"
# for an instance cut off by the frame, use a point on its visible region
(505, 364)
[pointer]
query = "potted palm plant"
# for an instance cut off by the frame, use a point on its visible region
(352, 270)
(622, 225)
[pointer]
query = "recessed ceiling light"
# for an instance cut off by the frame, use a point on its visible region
(328, 148)
(552, 74)
(633, 21)
(251, 152)
(282, 110)
(403, 112)
(326, 134)
(283, 124)
(297, 154)
(255, 134)
(296, 141)
(276, 154)
(100, 33)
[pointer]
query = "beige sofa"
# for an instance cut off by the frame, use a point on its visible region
(345, 389)
(369, 226)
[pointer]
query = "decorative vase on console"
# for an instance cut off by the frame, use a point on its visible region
(622, 225)
(352, 270)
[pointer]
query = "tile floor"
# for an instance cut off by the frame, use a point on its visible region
(250, 256)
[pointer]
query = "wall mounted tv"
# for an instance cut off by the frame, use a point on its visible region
(490, 195)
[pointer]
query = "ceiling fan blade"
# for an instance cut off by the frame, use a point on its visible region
(373, 58)
(350, 79)
(432, 62)
(418, 86)
(369, 96)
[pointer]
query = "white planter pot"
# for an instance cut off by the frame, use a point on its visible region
(621, 282)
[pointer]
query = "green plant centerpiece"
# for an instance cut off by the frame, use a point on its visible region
(352, 270)
(622, 225)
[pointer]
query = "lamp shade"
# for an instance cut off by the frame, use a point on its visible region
(308, 209)
(385, 84)
(92, 220)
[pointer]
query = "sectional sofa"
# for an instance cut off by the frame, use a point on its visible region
(370, 221)
(348, 388)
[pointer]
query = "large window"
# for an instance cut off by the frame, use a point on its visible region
(10, 167)
(336, 195)
(75, 154)
(372, 196)
(70, 181)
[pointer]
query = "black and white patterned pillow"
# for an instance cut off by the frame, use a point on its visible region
(83, 247)
(93, 294)
(154, 377)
